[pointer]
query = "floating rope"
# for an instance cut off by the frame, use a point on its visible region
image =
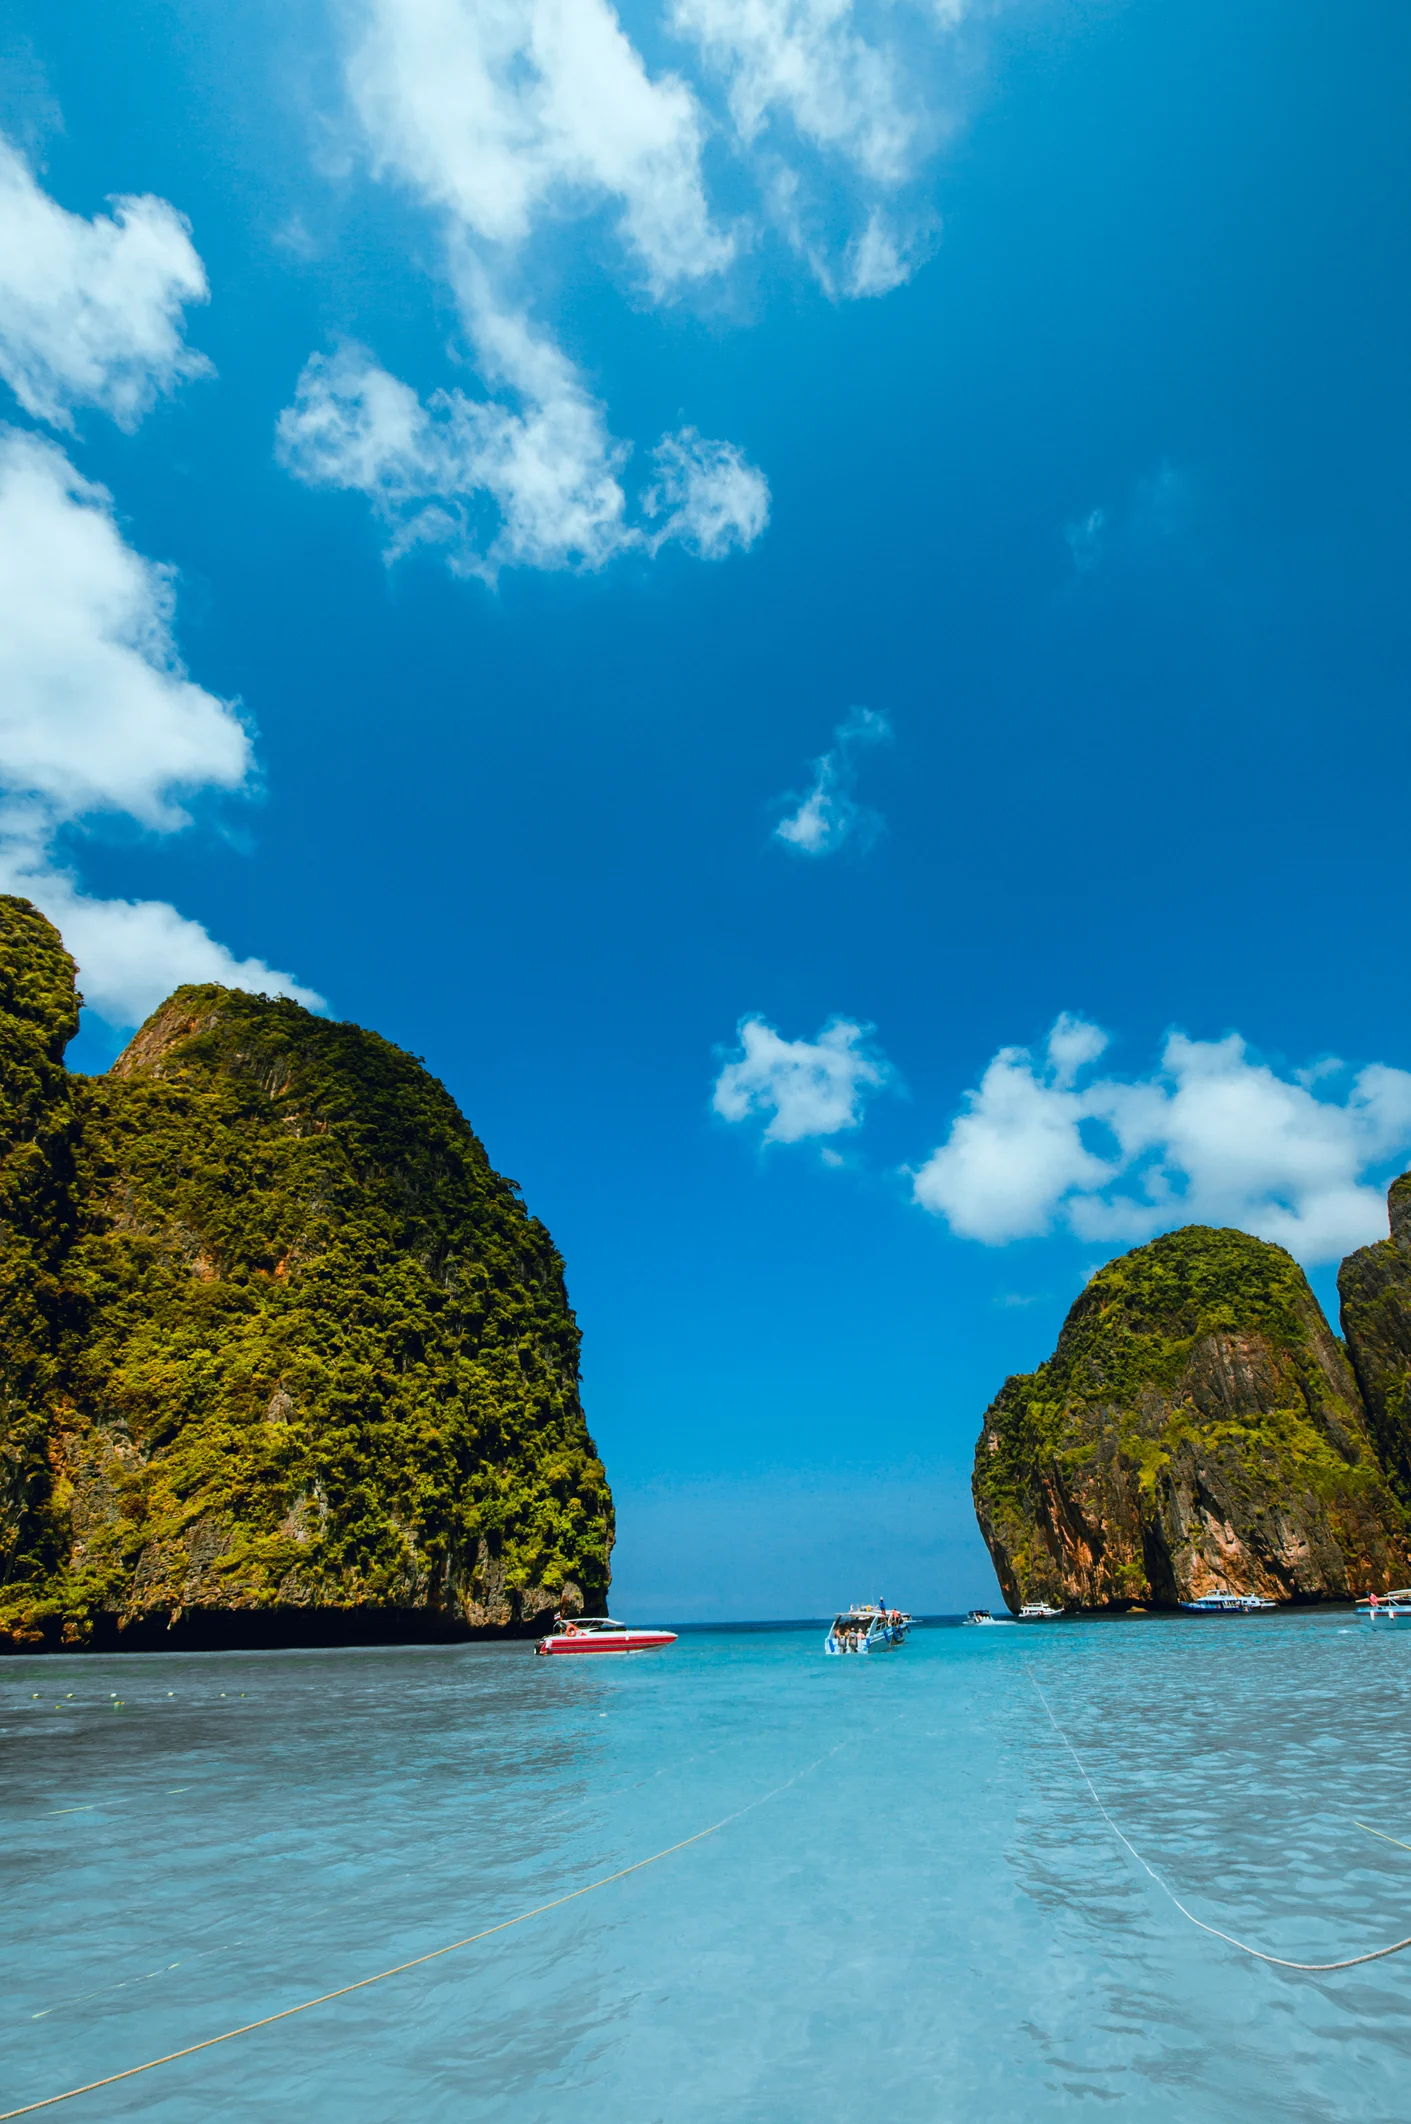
(1279, 1961)
(1381, 1833)
(506, 1924)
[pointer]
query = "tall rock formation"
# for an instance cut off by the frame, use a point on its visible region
(38, 1135)
(283, 1357)
(1197, 1428)
(1374, 1285)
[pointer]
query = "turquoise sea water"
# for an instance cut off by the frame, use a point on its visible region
(928, 1920)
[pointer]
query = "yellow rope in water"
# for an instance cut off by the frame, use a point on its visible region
(1352, 1961)
(1381, 1833)
(343, 1990)
(248, 2027)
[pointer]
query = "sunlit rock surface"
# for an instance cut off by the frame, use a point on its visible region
(1198, 1428)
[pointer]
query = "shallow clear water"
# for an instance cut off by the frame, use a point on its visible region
(928, 1921)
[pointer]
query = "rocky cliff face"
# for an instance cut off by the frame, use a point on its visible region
(38, 1134)
(1374, 1286)
(283, 1357)
(1198, 1428)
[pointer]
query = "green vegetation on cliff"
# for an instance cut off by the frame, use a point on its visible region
(38, 1018)
(299, 1348)
(1197, 1425)
(1374, 1285)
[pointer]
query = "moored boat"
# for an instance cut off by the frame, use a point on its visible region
(1227, 1604)
(867, 1629)
(1037, 1611)
(599, 1633)
(1387, 1607)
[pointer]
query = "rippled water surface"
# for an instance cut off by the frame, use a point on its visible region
(920, 1914)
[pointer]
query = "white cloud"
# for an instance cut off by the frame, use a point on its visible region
(805, 61)
(1211, 1137)
(806, 1087)
(509, 118)
(826, 814)
(885, 254)
(1013, 1155)
(1072, 1044)
(506, 113)
(539, 486)
(711, 497)
(493, 486)
(97, 714)
(131, 954)
(837, 107)
(91, 311)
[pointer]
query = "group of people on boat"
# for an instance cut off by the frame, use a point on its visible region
(855, 1630)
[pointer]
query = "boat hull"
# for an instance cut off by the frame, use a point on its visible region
(570, 1647)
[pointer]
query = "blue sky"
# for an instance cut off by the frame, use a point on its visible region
(807, 601)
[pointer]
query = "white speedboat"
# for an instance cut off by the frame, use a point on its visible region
(1387, 1607)
(984, 1617)
(867, 1629)
(1037, 1611)
(1227, 1604)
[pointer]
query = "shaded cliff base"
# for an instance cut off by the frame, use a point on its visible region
(276, 1630)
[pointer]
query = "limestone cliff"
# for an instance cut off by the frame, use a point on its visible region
(1197, 1428)
(284, 1358)
(1374, 1285)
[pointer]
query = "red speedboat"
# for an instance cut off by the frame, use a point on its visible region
(597, 1633)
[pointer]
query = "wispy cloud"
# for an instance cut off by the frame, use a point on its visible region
(1158, 508)
(1211, 1136)
(1085, 540)
(91, 312)
(509, 113)
(706, 495)
(504, 116)
(538, 485)
(820, 819)
(837, 110)
(507, 118)
(801, 1088)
